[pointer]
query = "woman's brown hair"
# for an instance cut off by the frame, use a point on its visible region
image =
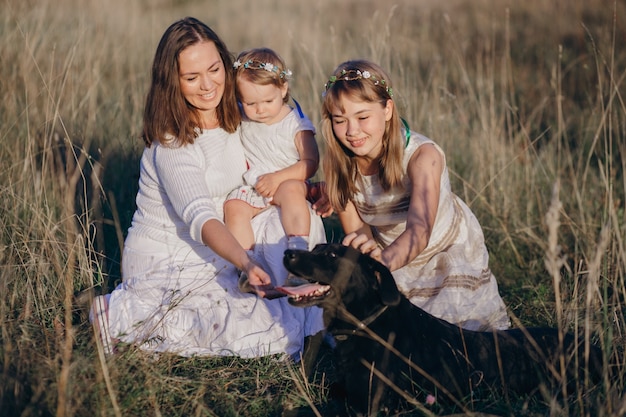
(167, 116)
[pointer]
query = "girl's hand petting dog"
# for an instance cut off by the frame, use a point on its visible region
(364, 244)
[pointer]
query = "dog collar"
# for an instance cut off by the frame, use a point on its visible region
(361, 325)
(370, 319)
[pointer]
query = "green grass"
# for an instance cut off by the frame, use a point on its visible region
(522, 96)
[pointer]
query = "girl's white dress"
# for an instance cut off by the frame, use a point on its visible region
(451, 278)
(177, 295)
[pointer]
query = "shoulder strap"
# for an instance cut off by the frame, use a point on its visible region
(298, 108)
(407, 132)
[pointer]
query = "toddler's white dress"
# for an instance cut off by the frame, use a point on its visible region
(269, 148)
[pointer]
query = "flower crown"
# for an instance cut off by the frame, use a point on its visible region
(355, 74)
(267, 66)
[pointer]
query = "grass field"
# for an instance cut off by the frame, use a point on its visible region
(526, 98)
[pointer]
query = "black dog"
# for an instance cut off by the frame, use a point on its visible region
(384, 341)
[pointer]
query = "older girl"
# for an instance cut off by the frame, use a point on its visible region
(391, 190)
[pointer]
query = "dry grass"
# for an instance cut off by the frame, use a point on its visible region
(525, 97)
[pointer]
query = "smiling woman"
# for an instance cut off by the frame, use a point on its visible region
(179, 291)
(202, 78)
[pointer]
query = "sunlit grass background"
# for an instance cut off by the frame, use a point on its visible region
(526, 98)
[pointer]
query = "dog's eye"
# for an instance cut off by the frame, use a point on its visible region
(333, 255)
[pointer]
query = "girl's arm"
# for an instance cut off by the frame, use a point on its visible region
(358, 233)
(424, 171)
(352, 224)
(309, 153)
(351, 221)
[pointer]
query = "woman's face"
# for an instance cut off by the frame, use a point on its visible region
(360, 126)
(202, 77)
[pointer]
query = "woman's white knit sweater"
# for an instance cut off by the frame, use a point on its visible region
(180, 188)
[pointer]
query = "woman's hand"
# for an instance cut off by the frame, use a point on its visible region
(364, 244)
(260, 282)
(318, 198)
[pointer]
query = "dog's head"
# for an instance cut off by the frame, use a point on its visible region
(339, 275)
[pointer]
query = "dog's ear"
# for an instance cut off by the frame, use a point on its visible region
(388, 290)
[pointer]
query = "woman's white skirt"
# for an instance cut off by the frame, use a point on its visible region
(185, 300)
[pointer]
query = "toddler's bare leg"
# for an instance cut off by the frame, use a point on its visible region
(237, 217)
(294, 211)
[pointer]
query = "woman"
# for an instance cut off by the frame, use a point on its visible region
(179, 292)
(391, 190)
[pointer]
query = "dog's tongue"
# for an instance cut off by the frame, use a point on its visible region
(301, 290)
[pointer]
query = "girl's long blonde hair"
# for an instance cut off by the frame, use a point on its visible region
(361, 80)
